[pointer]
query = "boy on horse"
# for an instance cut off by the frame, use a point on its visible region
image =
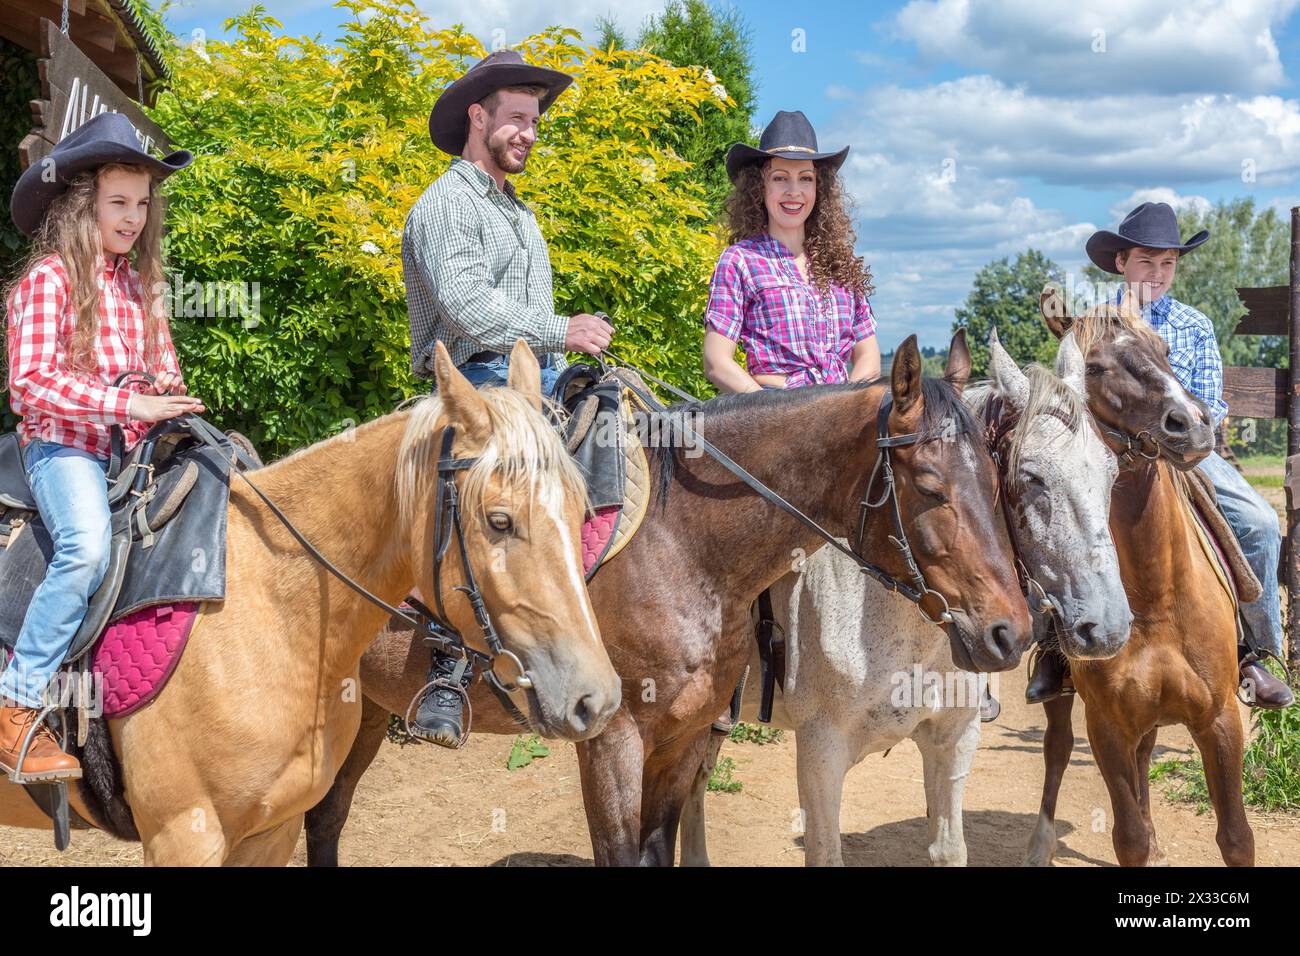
(477, 270)
(1145, 250)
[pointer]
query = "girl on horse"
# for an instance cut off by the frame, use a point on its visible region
(789, 288)
(80, 315)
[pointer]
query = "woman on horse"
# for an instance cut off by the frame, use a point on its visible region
(789, 288)
(81, 314)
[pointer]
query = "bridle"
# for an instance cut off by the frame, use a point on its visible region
(1000, 424)
(434, 627)
(932, 604)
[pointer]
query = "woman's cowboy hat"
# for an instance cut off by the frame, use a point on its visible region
(788, 136)
(1151, 225)
(107, 138)
(449, 118)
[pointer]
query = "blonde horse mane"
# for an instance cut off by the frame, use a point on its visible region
(1102, 320)
(523, 448)
(1048, 394)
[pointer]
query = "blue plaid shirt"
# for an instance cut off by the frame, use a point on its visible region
(1193, 350)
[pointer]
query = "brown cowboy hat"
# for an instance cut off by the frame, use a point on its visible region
(449, 118)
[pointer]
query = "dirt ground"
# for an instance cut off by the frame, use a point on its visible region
(420, 805)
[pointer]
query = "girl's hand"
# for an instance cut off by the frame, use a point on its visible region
(158, 408)
(168, 383)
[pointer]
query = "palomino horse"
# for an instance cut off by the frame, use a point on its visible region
(864, 670)
(263, 706)
(1180, 665)
(673, 606)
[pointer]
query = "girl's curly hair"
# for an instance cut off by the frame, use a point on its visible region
(828, 231)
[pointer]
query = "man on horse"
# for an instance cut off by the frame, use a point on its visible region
(1145, 250)
(477, 270)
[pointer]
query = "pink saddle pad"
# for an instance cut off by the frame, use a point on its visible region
(137, 654)
(596, 532)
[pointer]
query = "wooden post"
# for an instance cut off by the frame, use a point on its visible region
(1293, 456)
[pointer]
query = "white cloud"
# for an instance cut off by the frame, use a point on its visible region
(980, 124)
(1163, 194)
(1121, 46)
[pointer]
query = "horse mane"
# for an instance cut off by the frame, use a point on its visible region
(1102, 320)
(1048, 395)
(523, 448)
(942, 409)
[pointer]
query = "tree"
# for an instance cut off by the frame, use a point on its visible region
(692, 33)
(1005, 296)
(310, 155)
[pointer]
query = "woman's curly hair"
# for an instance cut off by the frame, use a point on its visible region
(828, 231)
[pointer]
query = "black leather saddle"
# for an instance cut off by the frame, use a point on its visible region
(168, 502)
(594, 433)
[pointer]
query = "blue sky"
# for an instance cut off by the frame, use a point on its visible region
(981, 127)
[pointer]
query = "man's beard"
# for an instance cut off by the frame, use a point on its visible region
(506, 162)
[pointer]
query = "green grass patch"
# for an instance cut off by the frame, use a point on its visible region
(1262, 461)
(744, 733)
(525, 750)
(1266, 481)
(722, 780)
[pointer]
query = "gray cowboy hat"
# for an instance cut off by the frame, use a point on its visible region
(1151, 225)
(788, 136)
(107, 138)
(449, 118)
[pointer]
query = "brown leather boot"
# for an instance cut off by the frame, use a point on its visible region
(1259, 688)
(45, 759)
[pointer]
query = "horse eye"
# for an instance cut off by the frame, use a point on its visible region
(1095, 369)
(500, 521)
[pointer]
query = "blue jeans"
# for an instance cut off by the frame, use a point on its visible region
(71, 491)
(496, 371)
(1255, 523)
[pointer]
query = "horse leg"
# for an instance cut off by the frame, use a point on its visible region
(822, 758)
(274, 847)
(326, 820)
(1145, 746)
(192, 838)
(695, 850)
(1117, 759)
(1221, 744)
(669, 777)
(948, 746)
(1058, 744)
(611, 765)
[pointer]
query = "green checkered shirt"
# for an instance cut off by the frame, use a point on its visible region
(477, 273)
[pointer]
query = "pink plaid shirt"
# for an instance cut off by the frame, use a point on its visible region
(56, 403)
(758, 297)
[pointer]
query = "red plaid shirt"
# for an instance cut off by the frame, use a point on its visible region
(758, 297)
(56, 403)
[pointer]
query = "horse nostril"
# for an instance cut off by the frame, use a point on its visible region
(1176, 423)
(998, 638)
(1086, 633)
(582, 714)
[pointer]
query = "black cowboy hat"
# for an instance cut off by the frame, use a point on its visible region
(107, 138)
(449, 119)
(1151, 225)
(788, 136)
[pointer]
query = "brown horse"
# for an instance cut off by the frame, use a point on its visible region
(263, 707)
(674, 605)
(1180, 664)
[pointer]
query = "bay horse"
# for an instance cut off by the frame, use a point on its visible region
(864, 671)
(673, 606)
(1180, 665)
(263, 706)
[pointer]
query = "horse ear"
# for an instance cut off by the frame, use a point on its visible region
(525, 374)
(905, 376)
(957, 372)
(465, 408)
(1054, 312)
(1011, 383)
(1070, 365)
